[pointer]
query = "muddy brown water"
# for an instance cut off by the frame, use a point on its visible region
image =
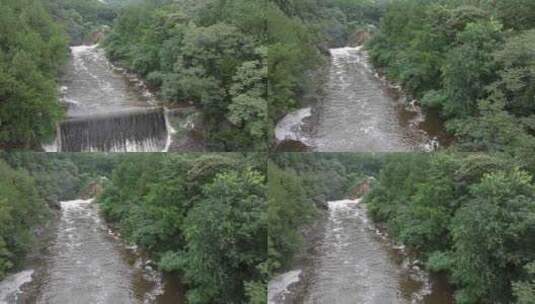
(355, 262)
(108, 109)
(86, 263)
(361, 112)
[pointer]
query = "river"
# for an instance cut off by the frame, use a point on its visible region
(361, 112)
(88, 264)
(356, 263)
(108, 109)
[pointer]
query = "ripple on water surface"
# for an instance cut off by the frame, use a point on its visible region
(361, 113)
(108, 109)
(356, 265)
(88, 264)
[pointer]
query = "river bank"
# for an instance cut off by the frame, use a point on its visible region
(359, 110)
(109, 108)
(344, 238)
(81, 256)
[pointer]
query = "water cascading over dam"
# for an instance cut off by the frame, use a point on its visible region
(107, 110)
(143, 130)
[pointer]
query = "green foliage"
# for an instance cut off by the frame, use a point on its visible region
(285, 218)
(57, 178)
(226, 238)
(496, 222)
(80, 18)
(516, 14)
(298, 35)
(61, 176)
(439, 261)
(471, 216)
(517, 74)
(200, 216)
(525, 290)
(299, 185)
(472, 60)
(469, 67)
(21, 210)
(33, 48)
(199, 54)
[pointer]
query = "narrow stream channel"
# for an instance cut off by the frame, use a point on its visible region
(87, 264)
(361, 112)
(107, 109)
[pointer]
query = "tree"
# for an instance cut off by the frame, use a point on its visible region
(490, 234)
(517, 74)
(469, 68)
(33, 50)
(226, 235)
(200, 53)
(525, 290)
(248, 109)
(288, 210)
(21, 210)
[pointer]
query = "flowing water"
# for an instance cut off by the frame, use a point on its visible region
(88, 264)
(363, 113)
(356, 264)
(10, 286)
(107, 109)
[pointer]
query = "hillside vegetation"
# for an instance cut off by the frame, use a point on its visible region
(201, 217)
(207, 53)
(469, 216)
(471, 60)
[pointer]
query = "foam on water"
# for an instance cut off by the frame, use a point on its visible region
(290, 127)
(109, 109)
(278, 287)
(357, 263)
(10, 286)
(88, 263)
(170, 131)
(359, 113)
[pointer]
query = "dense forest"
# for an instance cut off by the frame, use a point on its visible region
(33, 48)
(21, 209)
(207, 53)
(31, 187)
(299, 34)
(200, 217)
(80, 19)
(471, 60)
(470, 216)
